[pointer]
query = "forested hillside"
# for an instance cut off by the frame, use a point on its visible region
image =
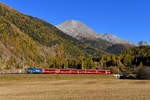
(38, 42)
(118, 48)
(107, 46)
(127, 61)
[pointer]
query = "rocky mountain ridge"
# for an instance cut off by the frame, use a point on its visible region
(79, 30)
(114, 39)
(143, 43)
(83, 33)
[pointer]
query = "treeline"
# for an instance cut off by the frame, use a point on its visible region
(81, 63)
(127, 61)
(62, 63)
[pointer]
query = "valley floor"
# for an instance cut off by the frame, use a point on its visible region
(72, 87)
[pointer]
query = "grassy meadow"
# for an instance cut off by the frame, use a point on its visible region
(71, 87)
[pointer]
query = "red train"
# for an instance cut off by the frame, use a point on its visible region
(67, 71)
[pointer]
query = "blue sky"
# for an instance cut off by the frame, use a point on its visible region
(128, 19)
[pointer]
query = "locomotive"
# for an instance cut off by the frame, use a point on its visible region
(66, 71)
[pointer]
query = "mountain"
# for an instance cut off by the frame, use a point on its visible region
(77, 29)
(106, 42)
(41, 43)
(143, 43)
(114, 39)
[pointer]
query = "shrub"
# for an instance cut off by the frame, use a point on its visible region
(143, 73)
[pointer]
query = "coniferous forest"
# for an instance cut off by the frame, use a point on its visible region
(30, 41)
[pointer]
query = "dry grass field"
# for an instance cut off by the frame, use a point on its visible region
(71, 87)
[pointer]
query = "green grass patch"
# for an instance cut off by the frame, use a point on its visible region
(46, 77)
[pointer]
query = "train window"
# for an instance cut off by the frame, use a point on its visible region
(74, 70)
(91, 71)
(64, 70)
(50, 70)
(103, 71)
